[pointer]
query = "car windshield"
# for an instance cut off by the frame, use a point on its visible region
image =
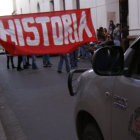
(131, 54)
(136, 42)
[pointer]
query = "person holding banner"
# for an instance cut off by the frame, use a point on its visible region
(46, 61)
(34, 66)
(74, 59)
(19, 63)
(63, 57)
(9, 57)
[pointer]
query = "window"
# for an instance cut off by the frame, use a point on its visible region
(52, 5)
(132, 60)
(78, 4)
(64, 5)
(38, 7)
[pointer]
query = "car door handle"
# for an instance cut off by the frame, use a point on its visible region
(108, 94)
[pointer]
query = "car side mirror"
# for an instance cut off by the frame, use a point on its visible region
(108, 61)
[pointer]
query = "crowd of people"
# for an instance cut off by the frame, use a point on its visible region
(23, 62)
(70, 60)
(114, 33)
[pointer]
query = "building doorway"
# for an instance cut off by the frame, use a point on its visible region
(123, 12)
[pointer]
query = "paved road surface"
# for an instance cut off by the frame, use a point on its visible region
(39, 101)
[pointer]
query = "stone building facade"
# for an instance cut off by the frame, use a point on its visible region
(126, 12)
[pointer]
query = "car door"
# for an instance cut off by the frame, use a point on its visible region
(126, 100)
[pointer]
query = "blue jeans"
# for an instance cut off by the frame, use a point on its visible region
(74, 59)
(117, 43)
(60, 64)
(34, 66)
(46, 58)
(24, 60)
(84, 51)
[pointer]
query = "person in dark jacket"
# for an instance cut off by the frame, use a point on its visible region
(19, 63)
(9, 57)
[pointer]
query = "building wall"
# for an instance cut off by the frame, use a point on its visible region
(14, 6)
(101, 10)
(58, 5)
(45, 5)
(22, 6)
(31, 6)
(134, 17)
(112, 11)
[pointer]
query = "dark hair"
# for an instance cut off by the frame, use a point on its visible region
(118, 24)
(101, 29)
(105, 29)
(112, 24)
(100, 34)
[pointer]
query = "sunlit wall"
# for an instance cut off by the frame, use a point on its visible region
(102, 10)
(134, 17)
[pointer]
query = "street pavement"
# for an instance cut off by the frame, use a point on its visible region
(35, 104)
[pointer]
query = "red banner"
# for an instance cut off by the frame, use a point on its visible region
(46, 33)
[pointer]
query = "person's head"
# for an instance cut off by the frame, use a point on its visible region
(111, 22)
(118, 25)
(105, 30)
(101, 29)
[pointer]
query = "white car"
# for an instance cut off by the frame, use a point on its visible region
(108, 96)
